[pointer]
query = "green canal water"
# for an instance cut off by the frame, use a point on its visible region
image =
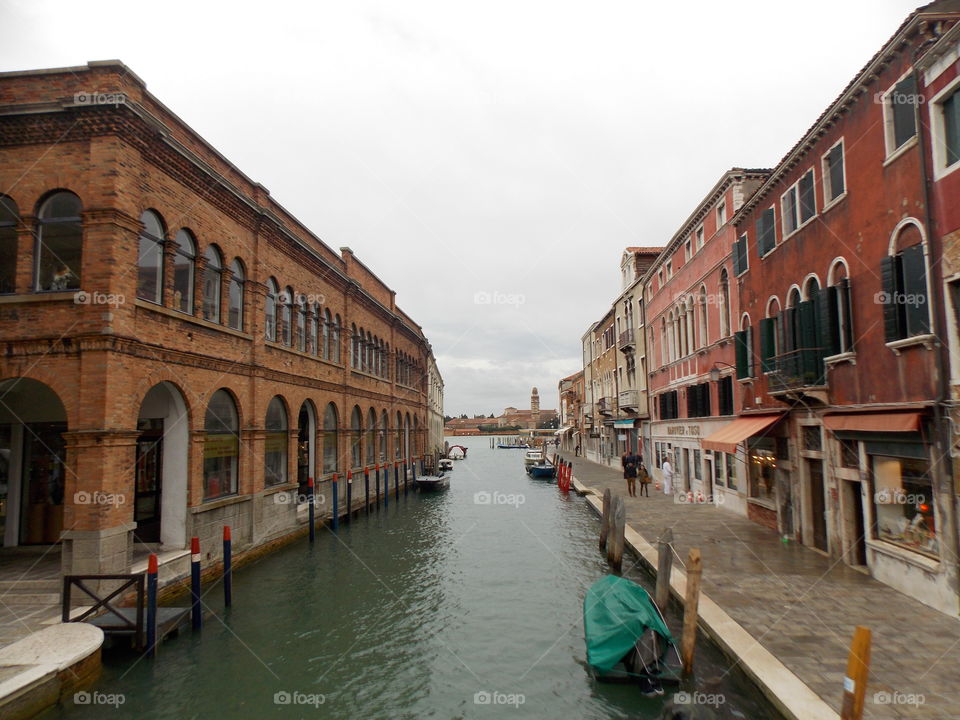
(465, 604)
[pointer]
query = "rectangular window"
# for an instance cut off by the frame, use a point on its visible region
(899, 117)
(743, 343)
(788, 210)
(725, 395)
(762, 466)
(699, 235)
(808, 200)
(812, 438)
(768, 344)
(904, 296)
(903, 503)
(740, 256)
(697, 466)
(834, 178)
(951, 128)
(850, 454)
(721, 214)
(766, 226)
(731, 471)
(689, 249)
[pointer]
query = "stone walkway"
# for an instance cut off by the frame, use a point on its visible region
(29, 591)
(803, 607)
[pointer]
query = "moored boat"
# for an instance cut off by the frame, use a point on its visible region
(533, 457)
(445, 464)
(433, 482)
(542, 470)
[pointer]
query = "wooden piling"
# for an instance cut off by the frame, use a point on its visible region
(615, 541)
(228, 560)
(349, 495)
(196, 615)
(152, 570)
(311, 508)
(690, 609)
(366, 488)
(664, 568)
(604, 519)
(855, 681)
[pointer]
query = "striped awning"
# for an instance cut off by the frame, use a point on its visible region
(727, 438)
(881, 422)
(623, 423)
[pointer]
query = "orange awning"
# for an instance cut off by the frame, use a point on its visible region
(727, 439)
(874, 422)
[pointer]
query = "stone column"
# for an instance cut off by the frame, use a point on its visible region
(200, 267)
(169, 257)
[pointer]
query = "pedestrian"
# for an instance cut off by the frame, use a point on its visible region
(644, 478)
(630, 474)
(667, 470)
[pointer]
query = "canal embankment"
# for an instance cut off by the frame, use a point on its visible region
(786, 614)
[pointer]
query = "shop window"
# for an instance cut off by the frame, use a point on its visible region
(717, 463)
(235, 311)
(330, 429)
(762, 468)
(731, 470)
(221, 447)
(59, 243)
(697, 466)
(903, 503)
(150, 258)
(850, 454)
(812, 438)
(9, 219)
(275, 451)
(183, 263)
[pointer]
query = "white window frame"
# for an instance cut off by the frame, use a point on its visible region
(938, 131)
(795, 189)
(721, 213)
(825, 175)
(699, 234)
(892, 153)
(688, 249)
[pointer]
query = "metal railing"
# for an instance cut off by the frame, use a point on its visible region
(629, 399)
(626, 339)
(797, 369)
(605, 405)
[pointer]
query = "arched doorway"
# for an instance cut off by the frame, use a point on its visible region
(160, 475)
(32, 462)
(306, 444)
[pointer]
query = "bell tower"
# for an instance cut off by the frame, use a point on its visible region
(535, 407)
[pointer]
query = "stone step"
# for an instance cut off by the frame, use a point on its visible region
(25, 598)
(29, 586)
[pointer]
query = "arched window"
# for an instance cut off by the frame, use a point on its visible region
(221, 448)
(398, 437)
(270, 310)
(277, 440)
(301, 323)
(183, 264)
(724, 304)
(376, 356)
(150, 258)
(59, 243)
(406, 435)
(416, 436)
(702, 326)
(664, 348)
(371, 437)
(743, 347)
(369, 353)
(327, 330)
(386, 361)
(286, 316)
(903, 276)
(235, 311)
(354, 347)
(211, 285)
(356, 438)
(306, 444)
(384, 422)
(330, 430)
(9, 219)
(836, 311)
(770, 332)
(315, 321)
(335, 339)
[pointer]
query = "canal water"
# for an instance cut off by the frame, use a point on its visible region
(465, 604)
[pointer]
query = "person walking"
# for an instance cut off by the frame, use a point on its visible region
(644, 477)
(630, 474)
(667, 470)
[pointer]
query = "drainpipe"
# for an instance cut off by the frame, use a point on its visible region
(945, 491)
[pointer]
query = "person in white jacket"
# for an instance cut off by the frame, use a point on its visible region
(667, 470)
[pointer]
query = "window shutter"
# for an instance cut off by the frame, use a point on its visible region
(914, 298)
(740, 342)
(736, 258)
(829, 321)
(843, 296)
(811, 364)
(768, 344)
(742, 253)
(750, 357)
(892, 321)
(788, 331)
(902, 100)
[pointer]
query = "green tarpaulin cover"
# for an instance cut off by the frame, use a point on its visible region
(616, 612)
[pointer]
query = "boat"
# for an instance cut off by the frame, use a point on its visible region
(542, 470)
(533, 457)
(627, 638)
(432, 483)
(445, 464)
(457, 452)
(504, 446)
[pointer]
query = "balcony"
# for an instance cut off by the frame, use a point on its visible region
(605, 406)
(798, 372)
(626, 341)
(629, 400)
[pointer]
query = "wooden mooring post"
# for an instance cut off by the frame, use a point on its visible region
(605, 520)
(664, 568)
(855, 681)
(690, 609)
(615, 540)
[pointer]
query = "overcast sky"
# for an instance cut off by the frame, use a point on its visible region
(486, 151)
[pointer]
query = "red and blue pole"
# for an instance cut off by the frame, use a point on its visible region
(196, 615)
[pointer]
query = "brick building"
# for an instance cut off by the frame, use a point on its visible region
(841, 315)
(180, 352)
(570, 391)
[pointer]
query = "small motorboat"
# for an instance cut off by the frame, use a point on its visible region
(627, 638)
(542, 470)
(445, 464)
(533, 457)
(504, 446)
(457, 452)
(431, 483)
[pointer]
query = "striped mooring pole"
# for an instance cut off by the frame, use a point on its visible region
(366, 487)
(152, 568)
(350, 493)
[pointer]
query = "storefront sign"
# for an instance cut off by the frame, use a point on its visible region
(691, 430)
(220, 445)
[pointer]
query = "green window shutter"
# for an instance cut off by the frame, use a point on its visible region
(768, 343)
(740, 343)
(893, 321)
(829, 321)
(808, 203)
(742, 253)
(902, 107)
(843, 297)
(736, 258)
(789, 331)
(914, 298)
